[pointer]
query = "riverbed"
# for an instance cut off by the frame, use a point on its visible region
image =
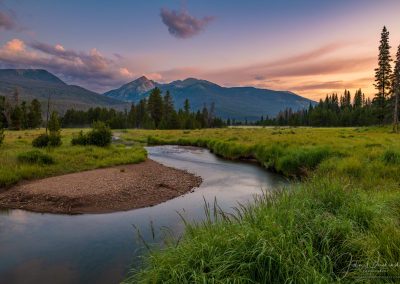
(101, 248)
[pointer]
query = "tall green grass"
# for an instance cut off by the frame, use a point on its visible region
(340, 224)
(20, 162)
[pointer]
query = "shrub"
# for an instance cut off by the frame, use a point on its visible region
(55, 139)
(44, 140)
(100, 135)
(35, 157)
(81, 139)
(41, 141)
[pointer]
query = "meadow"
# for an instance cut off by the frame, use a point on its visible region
(20, 161)
(339, 224)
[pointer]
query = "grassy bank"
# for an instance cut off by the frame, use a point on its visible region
(340, 224)
(20, 161)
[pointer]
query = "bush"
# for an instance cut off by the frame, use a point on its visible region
(35, 157)
(100, 135)
(55, 139)
(44, 140)
(41, 141)
(81, 139)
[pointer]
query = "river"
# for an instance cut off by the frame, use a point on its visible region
(101, 248)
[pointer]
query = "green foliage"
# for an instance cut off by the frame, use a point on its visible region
(319, 232)
(383, 77)
(391, 157)
(55, 139)
(41, 141)
(100, 135)
(328, 228)
(301, 161)
(156, 112)
(54, 122)
(35, 157)
(79, 139)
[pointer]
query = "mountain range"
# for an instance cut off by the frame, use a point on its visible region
(236, 102)
(39, 84)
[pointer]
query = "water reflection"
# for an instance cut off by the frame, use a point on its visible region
(100, 248)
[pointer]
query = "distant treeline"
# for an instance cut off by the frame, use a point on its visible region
(156, 112)
(333, 111)
(16, 115)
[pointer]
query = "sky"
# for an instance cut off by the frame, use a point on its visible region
(309, 47)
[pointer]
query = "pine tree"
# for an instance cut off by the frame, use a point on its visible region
(132, 117)
(54, 123)
(16, 115)
(396, 91)
(383, 76)
(24, 116)
(155, 106)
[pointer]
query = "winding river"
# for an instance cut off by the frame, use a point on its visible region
(101, 248)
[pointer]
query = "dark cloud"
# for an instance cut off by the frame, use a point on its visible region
(183, 25)
(7, 21)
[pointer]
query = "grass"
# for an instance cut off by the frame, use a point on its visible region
(20, 161)
(340, 224)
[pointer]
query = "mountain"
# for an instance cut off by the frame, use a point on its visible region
(237, 102)
(132, 89)
(39, 84)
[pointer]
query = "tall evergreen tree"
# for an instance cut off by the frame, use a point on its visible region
(383, 76)
(155, 106)
(396, 92)
(24, 116)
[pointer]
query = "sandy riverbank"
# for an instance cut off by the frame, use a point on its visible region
(103, 190)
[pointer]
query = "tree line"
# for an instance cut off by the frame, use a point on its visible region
(334, 110)
(19, 115)
(155, 112)
(356, 111)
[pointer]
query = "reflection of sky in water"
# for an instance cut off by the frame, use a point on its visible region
(100, 248)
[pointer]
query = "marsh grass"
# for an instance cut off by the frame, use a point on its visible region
(19, 161)
(340, 224)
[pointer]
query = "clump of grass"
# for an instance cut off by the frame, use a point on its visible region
(302, 161)
(320, 232)
(391, 157)
(35, 157)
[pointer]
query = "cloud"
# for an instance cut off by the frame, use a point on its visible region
(7, 21)
(313, 73)
(90, 69)
(183, 25)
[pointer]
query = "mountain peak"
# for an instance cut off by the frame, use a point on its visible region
(138, 86)
(142, 79)
(29, 74)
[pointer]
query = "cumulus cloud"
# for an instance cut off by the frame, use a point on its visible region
(7, 21)
(90, 69)
(183, 25)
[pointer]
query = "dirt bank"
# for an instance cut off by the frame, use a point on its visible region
(102, 190)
